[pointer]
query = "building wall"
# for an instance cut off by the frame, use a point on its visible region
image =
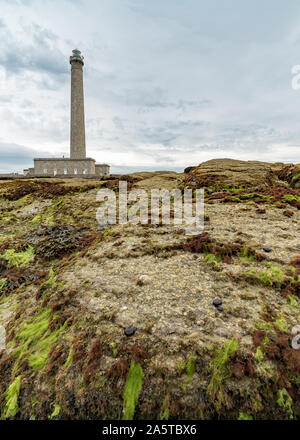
(102, 169)
(52, 167)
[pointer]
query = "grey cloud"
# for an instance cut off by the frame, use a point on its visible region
(56, 129)
(157, 98)
(27, 103)
(168, 132)
(15, 157)
(19, 2)
(164, 81)
(118, 123)
(184, 104)
(156, 135)
(14, 152)
(119, 169)
(178, 125)
(40, 55)
(6, 98)
(230, 21)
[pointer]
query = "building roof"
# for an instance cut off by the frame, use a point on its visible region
(55, 159)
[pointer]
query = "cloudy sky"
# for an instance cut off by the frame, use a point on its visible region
(168, 83)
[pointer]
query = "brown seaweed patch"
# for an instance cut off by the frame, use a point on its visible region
(279, 348)
(205, 244)
(194, 181)
(15, 279)
(119, 369)
(295, 262)
(93, 361)
(242, 366)
(57, 357)
(258, 337)
(42, 189)
(114, 183)
(79, 348)
(139, 353)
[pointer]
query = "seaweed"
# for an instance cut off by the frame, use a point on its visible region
(132, 390)
(18, 259)
(35, 341)
(11, 396)
(284, 400)
(220, 372)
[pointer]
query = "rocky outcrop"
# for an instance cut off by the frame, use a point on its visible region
(290, 174)
(238, 173)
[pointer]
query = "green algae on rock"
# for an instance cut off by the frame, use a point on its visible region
(10, 407)
(78, 293)
(132, 390)
(18, 259)
(220, 372)
(35, 340)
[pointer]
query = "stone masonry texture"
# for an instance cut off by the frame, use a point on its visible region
(77, 145)
(54, 167)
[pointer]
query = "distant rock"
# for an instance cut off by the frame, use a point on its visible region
(159, 180)
(291, 174)
(189, 169)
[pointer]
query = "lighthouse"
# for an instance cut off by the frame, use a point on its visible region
(77, 135)
(78, 164)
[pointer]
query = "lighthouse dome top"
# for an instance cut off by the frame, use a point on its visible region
(76, 56)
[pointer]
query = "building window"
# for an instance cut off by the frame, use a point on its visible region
(45, 170)
(85, 171)
(55, 172)
(65, 171)
(75, 171)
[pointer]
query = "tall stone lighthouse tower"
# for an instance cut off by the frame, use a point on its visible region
(78, 164)
(77, 138)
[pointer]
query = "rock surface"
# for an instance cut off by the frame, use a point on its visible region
(66, 310)
(236, 173)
